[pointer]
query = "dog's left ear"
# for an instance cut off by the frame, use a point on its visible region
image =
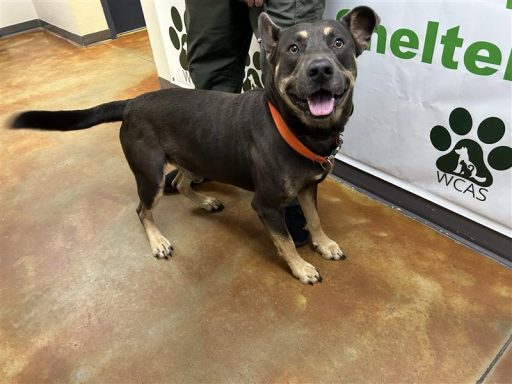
(269, 32)
(361, 21)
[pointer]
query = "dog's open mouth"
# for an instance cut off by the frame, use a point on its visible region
(319, 104)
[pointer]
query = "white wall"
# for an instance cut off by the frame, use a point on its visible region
(80, 17)
(58, 13)
(89, 16)
(16, 11)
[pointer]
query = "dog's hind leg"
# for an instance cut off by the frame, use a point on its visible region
(147, 161)
(149, 175)
(183, 182)
(272, 216)
(150, 192)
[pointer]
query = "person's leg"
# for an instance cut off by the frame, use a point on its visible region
(218, 39)
(286, 13)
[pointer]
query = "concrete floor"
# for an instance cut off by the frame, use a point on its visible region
(83, 300)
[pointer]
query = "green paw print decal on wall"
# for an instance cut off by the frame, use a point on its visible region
(466, 158)
(175, 30)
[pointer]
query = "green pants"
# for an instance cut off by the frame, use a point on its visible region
(219, 34)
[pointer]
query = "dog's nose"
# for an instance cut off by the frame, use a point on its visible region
(320, 69)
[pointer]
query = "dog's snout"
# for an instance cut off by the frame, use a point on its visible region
(320, 69)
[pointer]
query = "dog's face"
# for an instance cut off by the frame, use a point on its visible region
(313, 65)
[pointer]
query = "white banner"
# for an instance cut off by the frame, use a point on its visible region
(433, 100)
(433, 104)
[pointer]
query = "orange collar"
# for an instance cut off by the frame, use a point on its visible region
(295, 143)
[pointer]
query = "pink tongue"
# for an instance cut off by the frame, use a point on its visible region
(321, 103)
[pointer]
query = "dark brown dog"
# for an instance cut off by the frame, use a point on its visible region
(310, 72)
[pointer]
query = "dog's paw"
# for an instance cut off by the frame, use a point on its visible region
(306, 273)
(161, 247)
(329, 250)
(211, 204)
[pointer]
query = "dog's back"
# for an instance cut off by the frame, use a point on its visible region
(208, 133)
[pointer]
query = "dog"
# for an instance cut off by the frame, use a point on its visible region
(278, 141)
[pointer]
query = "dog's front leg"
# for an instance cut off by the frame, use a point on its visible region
(328, 248)
(272, 216)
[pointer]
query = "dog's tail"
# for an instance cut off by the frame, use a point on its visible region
(70, 120)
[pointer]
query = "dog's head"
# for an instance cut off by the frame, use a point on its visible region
(311, 67)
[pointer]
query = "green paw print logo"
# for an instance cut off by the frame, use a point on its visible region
(180, 43)
(466, 158)
(253, 70)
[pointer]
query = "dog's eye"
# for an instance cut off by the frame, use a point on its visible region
(293, 48)
(338, 43)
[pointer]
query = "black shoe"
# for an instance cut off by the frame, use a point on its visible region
(296, 223)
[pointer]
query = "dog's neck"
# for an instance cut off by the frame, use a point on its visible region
(321, 141)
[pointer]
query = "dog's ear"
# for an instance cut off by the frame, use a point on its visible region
(361, 21)
(269, 32)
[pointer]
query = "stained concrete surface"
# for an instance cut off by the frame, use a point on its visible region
(82, 300)
(502, 371)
